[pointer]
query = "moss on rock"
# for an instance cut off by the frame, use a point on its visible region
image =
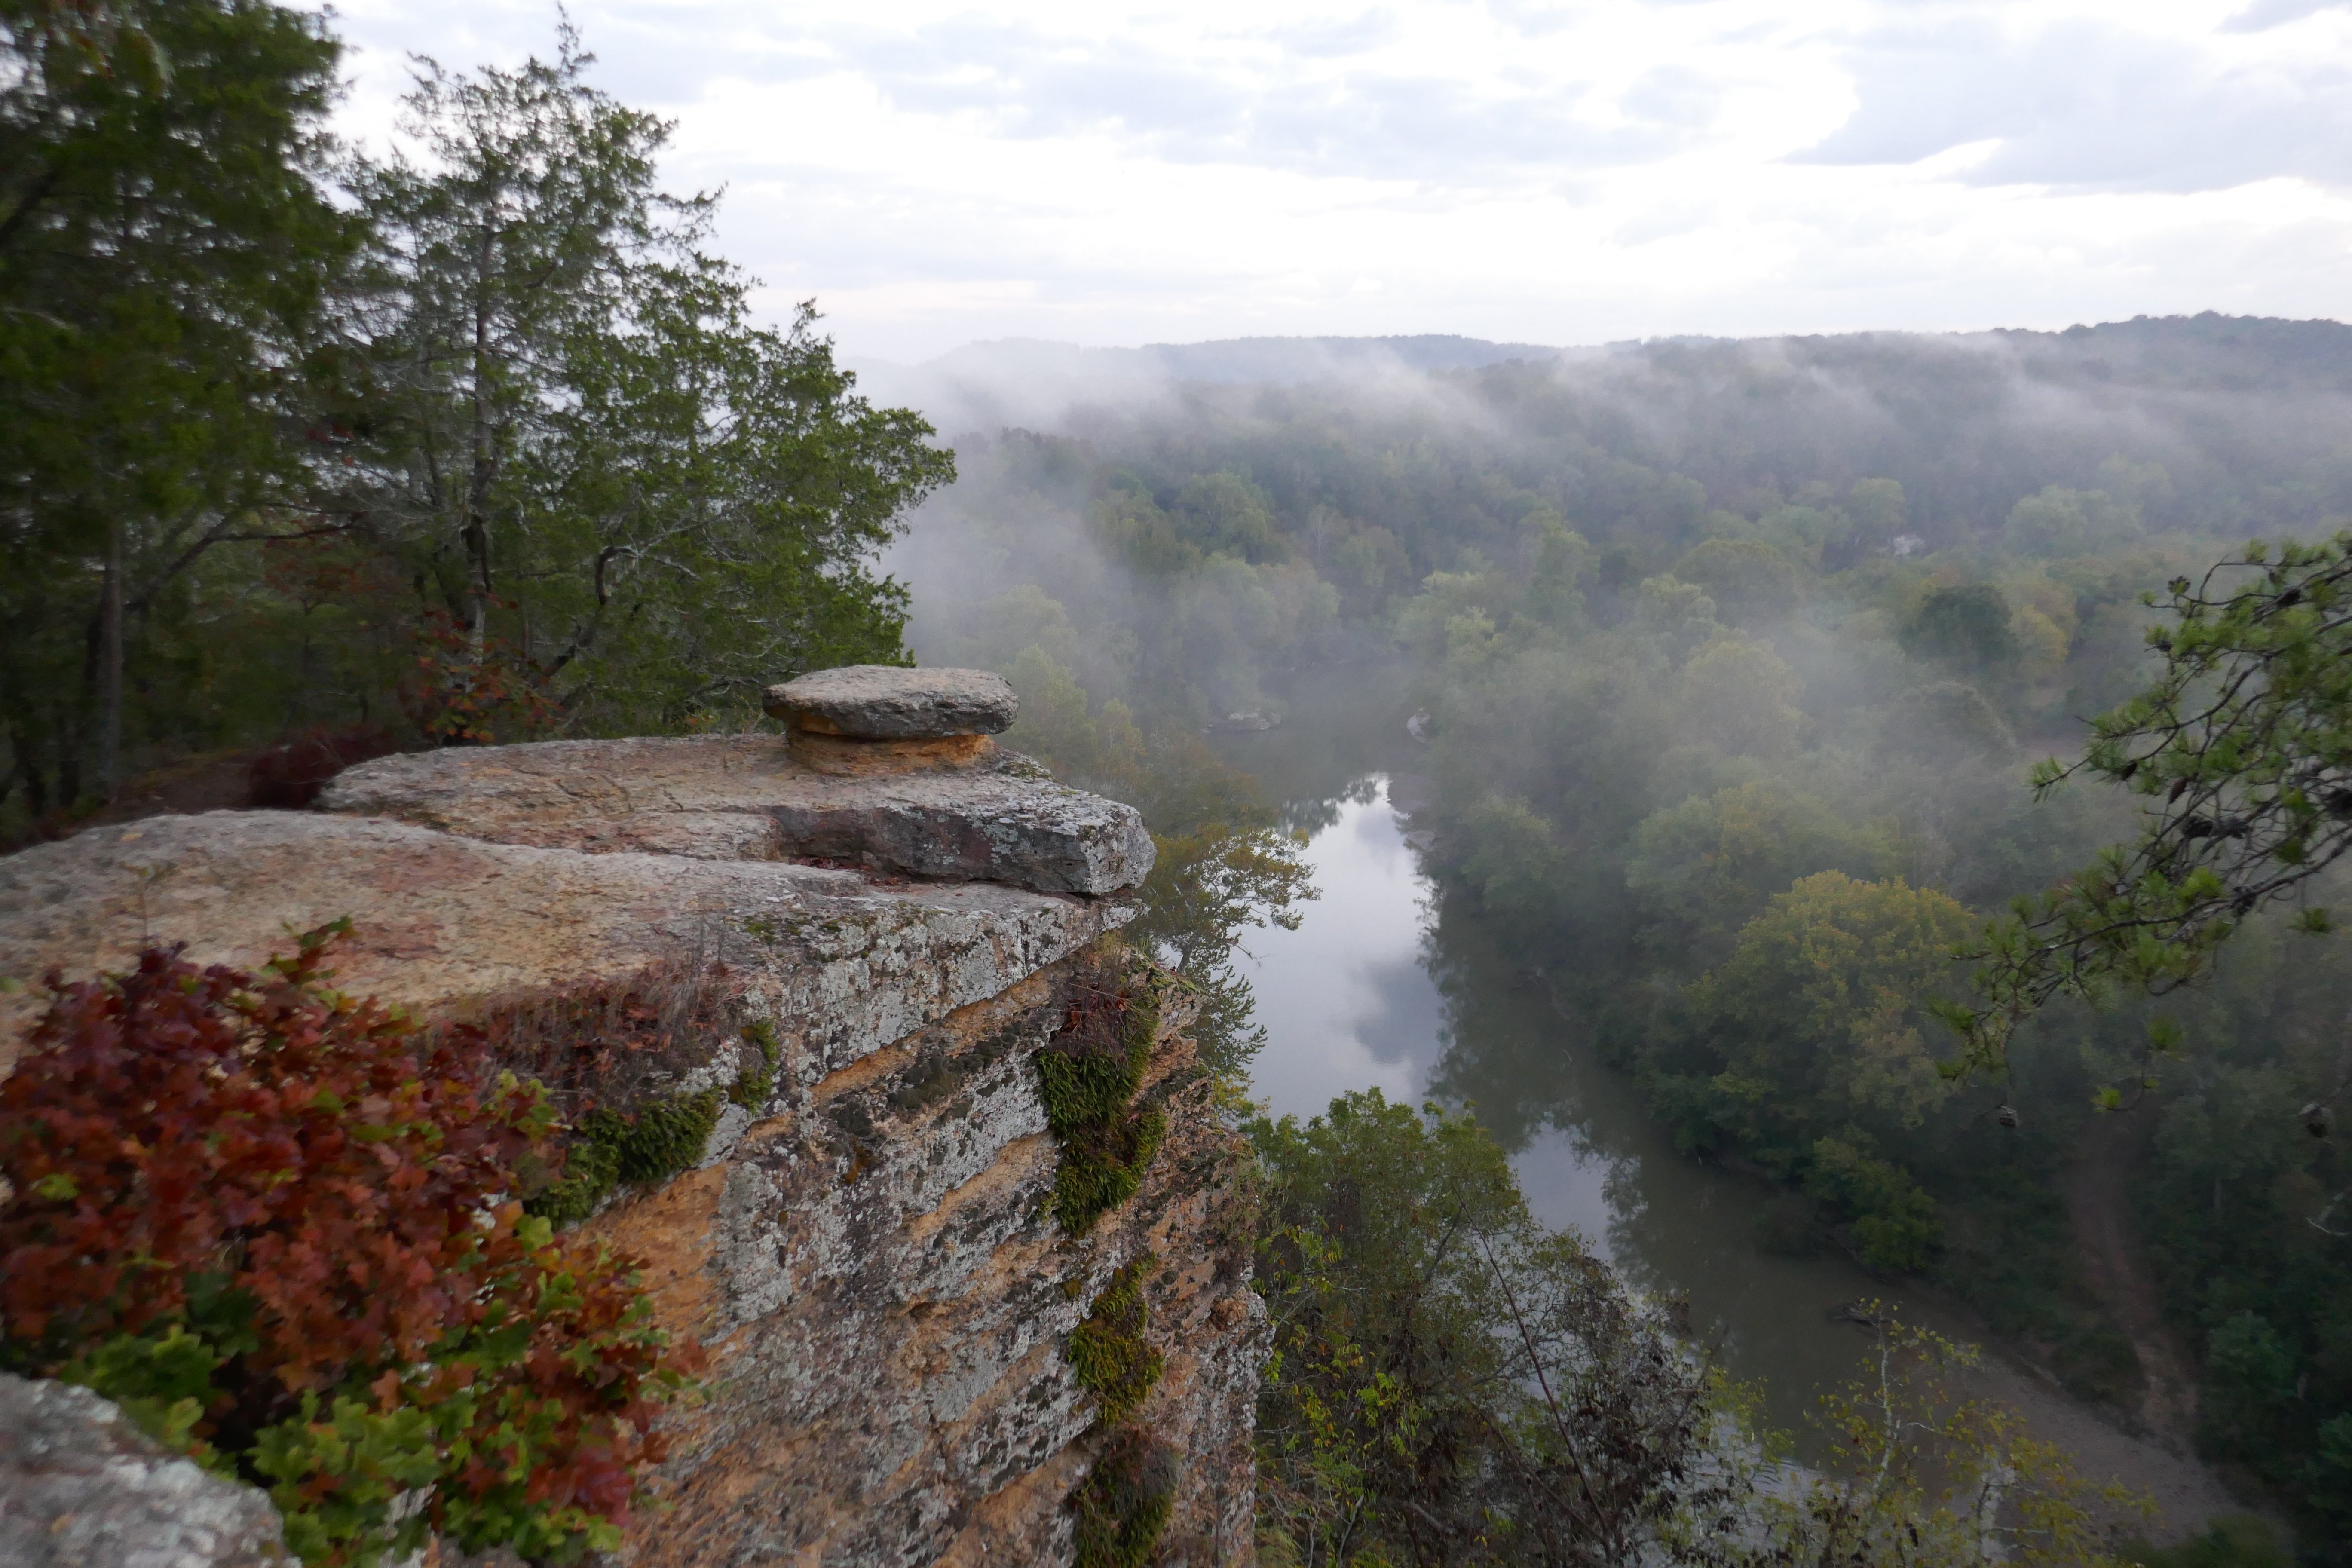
(1123, 1506)
(653, 1142)
(754, 1085)
(1087, 1078)
(1113, 1360)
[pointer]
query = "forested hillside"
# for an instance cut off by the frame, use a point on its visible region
(1734, 656)
(1734, 653)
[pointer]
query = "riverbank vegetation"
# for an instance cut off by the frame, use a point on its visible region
(1733, 658)
(1451, 1383)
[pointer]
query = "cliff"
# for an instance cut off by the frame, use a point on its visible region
(840, 965)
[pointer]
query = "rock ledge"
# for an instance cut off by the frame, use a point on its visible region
(752, 797)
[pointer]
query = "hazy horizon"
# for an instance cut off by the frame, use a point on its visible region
(935, 175)
(1020, 340)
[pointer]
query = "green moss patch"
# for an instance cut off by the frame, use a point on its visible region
(1123, 1506)
(754, 1085)
(653, 1142)
(1087, 1078)
(1113, 1361)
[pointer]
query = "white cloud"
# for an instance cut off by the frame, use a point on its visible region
(937, 171)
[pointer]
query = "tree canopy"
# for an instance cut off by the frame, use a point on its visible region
(474, 444)
(2243, 743)
(168, 245)
(585, 445)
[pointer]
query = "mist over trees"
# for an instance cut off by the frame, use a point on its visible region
(1734, 657)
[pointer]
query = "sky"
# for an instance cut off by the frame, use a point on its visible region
(934, 173)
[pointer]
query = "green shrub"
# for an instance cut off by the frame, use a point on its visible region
(1895, 1224)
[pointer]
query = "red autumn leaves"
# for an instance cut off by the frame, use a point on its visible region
(326, 1195)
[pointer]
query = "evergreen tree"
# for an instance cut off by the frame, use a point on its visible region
(609, 484)
(165, 246)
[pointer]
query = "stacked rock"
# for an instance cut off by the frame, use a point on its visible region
(878, 718)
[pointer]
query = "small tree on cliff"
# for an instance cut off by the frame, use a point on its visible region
(582, 445)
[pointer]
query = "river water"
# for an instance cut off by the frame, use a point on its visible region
(1373, 991)
(1349, 1001)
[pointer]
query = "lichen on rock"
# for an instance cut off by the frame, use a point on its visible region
(877, 1143)
(80, 1487)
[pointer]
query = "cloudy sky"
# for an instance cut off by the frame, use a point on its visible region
(937, 171)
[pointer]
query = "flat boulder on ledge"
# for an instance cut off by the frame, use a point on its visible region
(749, 797)
(884, 702)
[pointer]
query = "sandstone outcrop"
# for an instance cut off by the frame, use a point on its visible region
(750, 797)
(869, 1249)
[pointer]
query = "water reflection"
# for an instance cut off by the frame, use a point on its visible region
(1345, 999)
(1373, 991)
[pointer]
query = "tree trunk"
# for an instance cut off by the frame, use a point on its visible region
(110, 667)
(484, 471)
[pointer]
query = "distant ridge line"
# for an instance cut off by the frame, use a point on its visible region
(1037, 385)
(1302, 356)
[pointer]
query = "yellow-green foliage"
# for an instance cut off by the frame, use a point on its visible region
(1123, 1505)
(1087, 1078)
(1114, 1363)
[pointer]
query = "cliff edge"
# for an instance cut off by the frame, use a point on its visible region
(872, 937)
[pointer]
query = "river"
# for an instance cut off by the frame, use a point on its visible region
(1371, 992)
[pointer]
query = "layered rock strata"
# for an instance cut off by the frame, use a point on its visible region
(869, 1250)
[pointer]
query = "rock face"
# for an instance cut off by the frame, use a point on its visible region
(870, 1255)
(81, 1488)
(894, 1307)
(882, 702)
